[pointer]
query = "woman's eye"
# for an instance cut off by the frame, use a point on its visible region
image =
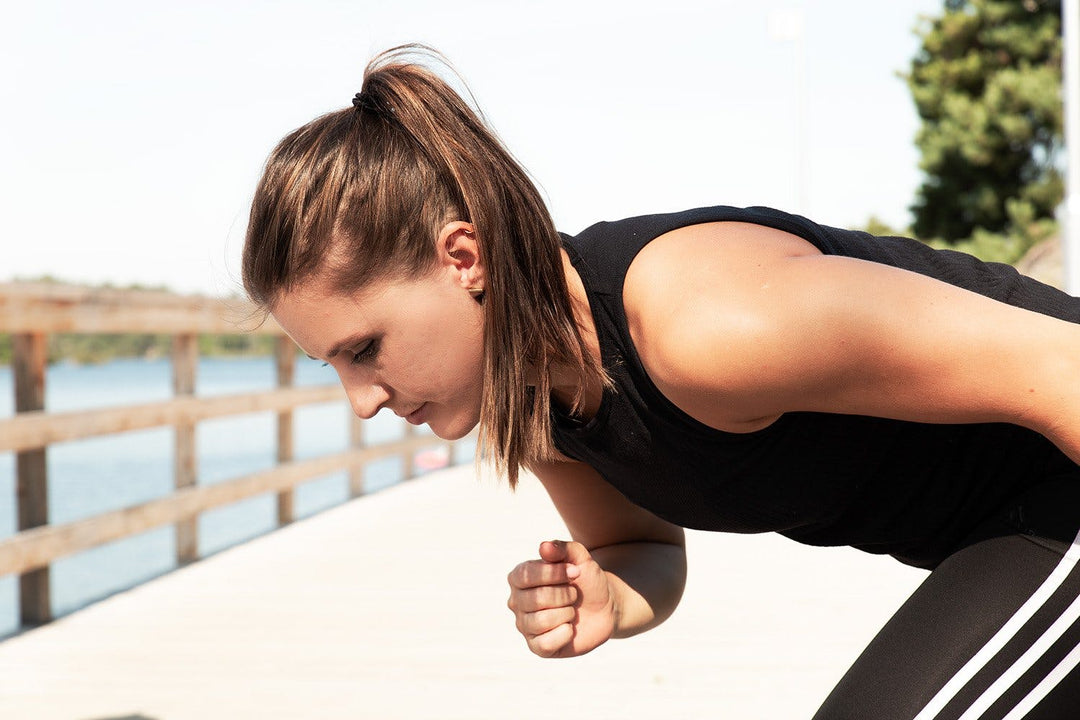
(367, 352)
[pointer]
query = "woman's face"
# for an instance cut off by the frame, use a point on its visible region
(415, 346)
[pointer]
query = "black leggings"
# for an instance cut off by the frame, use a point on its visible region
(992, 633)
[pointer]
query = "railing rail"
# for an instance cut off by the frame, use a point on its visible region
(30, 312)
(37, 429)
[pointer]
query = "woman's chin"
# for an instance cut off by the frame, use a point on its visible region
(454, 430)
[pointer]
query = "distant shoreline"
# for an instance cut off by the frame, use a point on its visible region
(94, 349)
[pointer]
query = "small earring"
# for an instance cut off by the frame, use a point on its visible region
(477, 293)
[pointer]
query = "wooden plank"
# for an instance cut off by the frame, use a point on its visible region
(185, 360)
(40, 546)
(285, 357)
(31, 471)
(36, 307)
(31, 430)
(408, 460)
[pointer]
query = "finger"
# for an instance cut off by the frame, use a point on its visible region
(542, 598)
(550, 643)
(535, 573)
(542, 621)
(570, 552)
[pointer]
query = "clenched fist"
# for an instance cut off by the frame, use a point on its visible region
(562, 602)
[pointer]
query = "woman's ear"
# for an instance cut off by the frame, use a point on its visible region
(458, 250)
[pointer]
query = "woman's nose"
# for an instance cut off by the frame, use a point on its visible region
(366, 398)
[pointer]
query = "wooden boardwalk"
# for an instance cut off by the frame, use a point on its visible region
(393, 606)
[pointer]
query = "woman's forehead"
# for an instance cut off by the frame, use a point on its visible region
(317, 304)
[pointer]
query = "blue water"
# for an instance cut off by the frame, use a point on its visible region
(91, 476)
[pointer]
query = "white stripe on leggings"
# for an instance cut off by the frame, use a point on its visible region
(1018, 668)
(1004, 635)
(1048, 683)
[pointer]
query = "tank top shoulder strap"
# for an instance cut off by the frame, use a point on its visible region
(607, 249)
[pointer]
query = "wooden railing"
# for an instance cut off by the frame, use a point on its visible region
(31, 312)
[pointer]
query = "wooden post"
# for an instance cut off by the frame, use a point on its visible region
(408, 471)
(32, 485)
(286, 377)
(356, 440)
(185, 360)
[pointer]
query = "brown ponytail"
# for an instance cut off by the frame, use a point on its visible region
(368, 188)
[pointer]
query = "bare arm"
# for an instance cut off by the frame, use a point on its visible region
(761, 324)
(623, 573)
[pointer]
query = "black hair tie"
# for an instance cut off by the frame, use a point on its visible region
(366, 101)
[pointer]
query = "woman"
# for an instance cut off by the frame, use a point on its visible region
(725, 369)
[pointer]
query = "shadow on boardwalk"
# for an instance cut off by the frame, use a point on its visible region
(393, 606)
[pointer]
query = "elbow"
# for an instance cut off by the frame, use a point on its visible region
(676, 586)
(1053, 407)
(656, 588)
(1065, 434)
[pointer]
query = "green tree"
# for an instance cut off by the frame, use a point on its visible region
(987, 85)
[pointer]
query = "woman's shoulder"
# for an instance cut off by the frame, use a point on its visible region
(696, 290)
(704, 264)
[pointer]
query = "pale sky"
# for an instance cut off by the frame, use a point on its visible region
(134, 132)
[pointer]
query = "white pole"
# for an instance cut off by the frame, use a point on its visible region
(789, 26)
(802, 147)
(1070, 90)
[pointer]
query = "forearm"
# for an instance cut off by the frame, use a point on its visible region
(646, 581)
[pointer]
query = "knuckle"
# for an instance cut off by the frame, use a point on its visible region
(527, 574)
(527, 624)
(558, 596)
(533, 574)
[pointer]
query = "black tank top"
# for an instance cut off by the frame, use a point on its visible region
(912, 490)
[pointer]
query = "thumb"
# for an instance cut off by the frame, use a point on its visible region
(553, 551)
(564, 551)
